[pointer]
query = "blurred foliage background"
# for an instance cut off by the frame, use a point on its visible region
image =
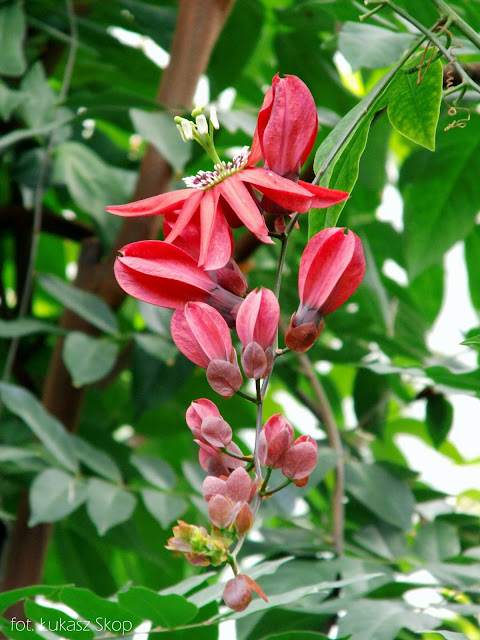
(94, 393)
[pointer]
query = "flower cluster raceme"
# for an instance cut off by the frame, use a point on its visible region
(192, 272)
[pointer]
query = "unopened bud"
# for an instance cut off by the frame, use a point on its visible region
(254, 361)
(202, 124)
(244, 519)
(220, 511)
(187, 129)
(213, 118)
(300, 459)
(238, 592)
(199, 109)
(216, 431)
(181, 133)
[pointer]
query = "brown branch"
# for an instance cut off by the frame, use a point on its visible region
(199, 24)
(13, 215)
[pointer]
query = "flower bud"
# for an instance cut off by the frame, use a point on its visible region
(221, 511)
(244, 519)
(213, 486)
(197, 411)
(216, 431)
(198, 546)
(275, 439)
(331, 269)
(300, 459)
(238, 592)
(224, 377)
(239, 486)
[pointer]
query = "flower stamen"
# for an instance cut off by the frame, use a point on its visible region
(207, 179)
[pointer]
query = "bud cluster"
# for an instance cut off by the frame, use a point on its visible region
(192, 271)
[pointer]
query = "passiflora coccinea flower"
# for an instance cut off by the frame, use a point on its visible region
(203, 336)
(167, 276)
(331, 269)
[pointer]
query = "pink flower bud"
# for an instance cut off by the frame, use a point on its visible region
(239, 486)
(331, 269)
(230, 278)
(257, 318)
(216, 431)
(300, 459)
(221, 511)
(202, 335)
(274, 440)
(197, 411)
(244, 519)
(219, 463)
(213, 486)
(238, 592)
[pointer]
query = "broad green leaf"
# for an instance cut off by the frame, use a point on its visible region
(472, 251)
(7, 598)
(9, 101)
(156, 471)
(96, 459)
(414, 108)
(381, 492)
(381, 619)
(163, 610)
(99, 611)
(18, 630)
(436, 541)
(8, 454)
(183, 587)
(299, 635)
(12, 30)
(47, 428)
(474, 342)
(58, 621)
(439, 418)
(159, 129)
(88, 359)
(53, 495)
(108, 505)
(26, 326)
(383, 540)
(39, 109)
(164, 507)
(469, 381)
(92, 183)
(435, 185)
(441, 634)
(24, 134)
(87, 305)
(156, 346)
(370, 47)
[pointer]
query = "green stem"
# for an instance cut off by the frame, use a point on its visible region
(282, 486)
(234, 455)
(458, 87)
(374, 94)
(438, 43)
(461, 25)
(246, 396)
(267, 477)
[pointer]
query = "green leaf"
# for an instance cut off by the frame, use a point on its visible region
(370, 47)
(163, 507)
(156, 346)
(47, 428)
(439, 418)
(108, 505)
(435, 185)
(18, 630)
(299, 635)
(93, 184)
(39, 109)
(53, 495)
(100, 612)
(87, 305)
(438, 634)
(154, 470)
(436, 541)
(10, 100)
(472, 251)
(381, 492)
(183, 587)
(474, 341)
(414, 108)
(24, 134)
(163, 610)
(469, 381)
(58, 621)
(12, 31)
(8, 598)
(88, 359)
(96, 459)
(381, 619)
(160, 129)
(8, 454)
(26, 326)
(383, 540)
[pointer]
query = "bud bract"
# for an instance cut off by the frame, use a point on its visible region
(275, 439)
(300, 459)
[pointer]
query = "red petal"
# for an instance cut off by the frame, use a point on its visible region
(237, 196)
(284, 192)
(323, 197)
(186, 214)
(162, 203)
